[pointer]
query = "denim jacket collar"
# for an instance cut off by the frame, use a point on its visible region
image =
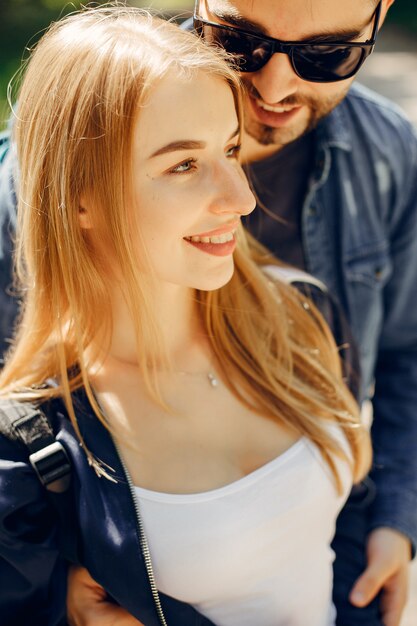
(333, 132)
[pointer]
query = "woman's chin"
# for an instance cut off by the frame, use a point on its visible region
(216, 279)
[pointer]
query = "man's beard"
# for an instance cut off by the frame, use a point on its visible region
(267, 135)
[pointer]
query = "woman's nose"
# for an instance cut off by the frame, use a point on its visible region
(232, 191)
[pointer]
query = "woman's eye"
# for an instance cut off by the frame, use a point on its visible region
(184, 167)
(233, 152)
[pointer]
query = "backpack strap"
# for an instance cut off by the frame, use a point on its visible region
(329, 307)
(28, 425)
(293, 275)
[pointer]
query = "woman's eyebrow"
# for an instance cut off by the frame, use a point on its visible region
(186, 144)
(182, 144)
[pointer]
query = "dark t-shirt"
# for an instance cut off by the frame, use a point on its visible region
(281, 183)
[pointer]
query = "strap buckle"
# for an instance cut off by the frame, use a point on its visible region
(52, 466)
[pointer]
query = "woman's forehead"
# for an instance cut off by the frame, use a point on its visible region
(197, 108)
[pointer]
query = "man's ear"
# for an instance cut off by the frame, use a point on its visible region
(84, 215)
(386, 4)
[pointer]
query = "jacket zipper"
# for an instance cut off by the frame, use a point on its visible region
(144, 546)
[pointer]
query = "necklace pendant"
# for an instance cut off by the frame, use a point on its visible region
(212, 380)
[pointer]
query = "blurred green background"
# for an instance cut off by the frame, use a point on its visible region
(22, 20)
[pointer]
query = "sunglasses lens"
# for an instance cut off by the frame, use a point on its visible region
(250, 53)
(327, 63)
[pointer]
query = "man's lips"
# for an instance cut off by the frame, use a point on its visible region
(274, 116)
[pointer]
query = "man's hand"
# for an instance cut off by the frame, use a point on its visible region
(87, 603)
(388, 553)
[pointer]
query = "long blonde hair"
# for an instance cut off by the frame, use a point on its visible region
(81, 93)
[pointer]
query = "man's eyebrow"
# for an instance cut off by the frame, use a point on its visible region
(239, 21)
(342, 36)
(185, 144)
(234, 19)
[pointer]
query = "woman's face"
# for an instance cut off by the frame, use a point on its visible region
(189, 189)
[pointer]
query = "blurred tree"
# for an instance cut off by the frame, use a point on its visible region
(404, 12)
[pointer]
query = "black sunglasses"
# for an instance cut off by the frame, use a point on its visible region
(316, 62)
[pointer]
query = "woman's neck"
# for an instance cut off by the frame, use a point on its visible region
(177, 321)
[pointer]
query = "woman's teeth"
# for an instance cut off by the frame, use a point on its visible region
(215, 239)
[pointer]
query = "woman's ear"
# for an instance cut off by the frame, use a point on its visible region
(84, 215)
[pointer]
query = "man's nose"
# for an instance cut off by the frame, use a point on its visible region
(232, 191)
(276, 80)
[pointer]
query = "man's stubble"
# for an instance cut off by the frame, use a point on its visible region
(316, 109)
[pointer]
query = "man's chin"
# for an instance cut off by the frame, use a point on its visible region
(279, 137)
(291, 127)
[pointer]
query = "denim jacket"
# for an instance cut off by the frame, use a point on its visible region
(359, 226)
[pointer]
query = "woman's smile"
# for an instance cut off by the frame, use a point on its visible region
(220, 241)
(219, 245)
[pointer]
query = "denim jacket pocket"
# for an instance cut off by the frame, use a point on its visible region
(370, 267)
(367, 272)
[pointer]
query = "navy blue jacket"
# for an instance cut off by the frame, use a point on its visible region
(32, 572)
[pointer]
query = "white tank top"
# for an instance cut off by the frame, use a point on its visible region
(255, 552)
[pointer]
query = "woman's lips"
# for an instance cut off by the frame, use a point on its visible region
(274, 119)
(230, 227)
(216, 249)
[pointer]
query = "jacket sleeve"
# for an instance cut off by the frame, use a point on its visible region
(32, 576)
(394, 429)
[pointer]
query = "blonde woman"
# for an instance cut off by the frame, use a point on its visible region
(199, 399)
